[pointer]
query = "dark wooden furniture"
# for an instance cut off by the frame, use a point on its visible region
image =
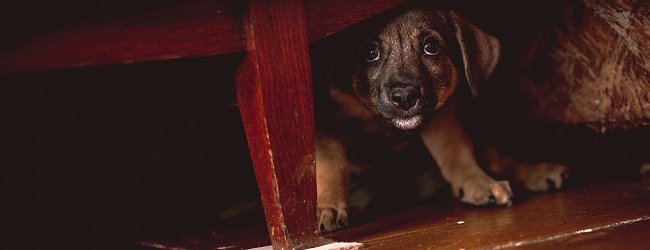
(274, 85)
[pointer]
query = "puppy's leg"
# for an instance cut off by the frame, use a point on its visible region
(535, 177)
(332, 181)
(452, 149)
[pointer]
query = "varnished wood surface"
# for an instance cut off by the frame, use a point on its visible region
(188, 29)
(274, 92)
(630, 236)
(173, 31)
(549, 219)
(325, 18)
(609, 215)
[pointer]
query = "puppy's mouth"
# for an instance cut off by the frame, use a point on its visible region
(407, 123)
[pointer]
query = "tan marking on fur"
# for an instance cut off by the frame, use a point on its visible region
(533, 177)
(332, 182)
(445, 92)
(351, 105)
(452, 149)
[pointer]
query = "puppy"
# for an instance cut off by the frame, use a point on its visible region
(402, 90)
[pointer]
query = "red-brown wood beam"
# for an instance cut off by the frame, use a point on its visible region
(274, 91)
(192, 29)
(326, 17)
(178, 31)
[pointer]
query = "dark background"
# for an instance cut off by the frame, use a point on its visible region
(100, 155)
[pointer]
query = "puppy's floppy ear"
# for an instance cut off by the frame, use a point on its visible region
(480, 51)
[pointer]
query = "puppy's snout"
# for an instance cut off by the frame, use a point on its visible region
(404, 97)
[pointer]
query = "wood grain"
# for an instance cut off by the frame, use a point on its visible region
(274, 91)
(325, 18)
(609, 215)
(192, 29)
(628, 236)
(542, 220)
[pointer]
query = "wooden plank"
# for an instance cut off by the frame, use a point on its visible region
(190, 30)
(274, 91)
(627, 236)
(547, 219)
(202, 28)
(325, 18)
(609, 215)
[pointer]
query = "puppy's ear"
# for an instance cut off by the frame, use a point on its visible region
(480, 51)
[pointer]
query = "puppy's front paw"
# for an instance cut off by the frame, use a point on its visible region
(542, 177)
(332, 219)
(482, 190)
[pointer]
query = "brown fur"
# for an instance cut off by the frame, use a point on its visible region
(366, 121)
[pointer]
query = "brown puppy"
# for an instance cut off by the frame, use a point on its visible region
(404, 85)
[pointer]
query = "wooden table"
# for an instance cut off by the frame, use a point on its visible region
(274, 82)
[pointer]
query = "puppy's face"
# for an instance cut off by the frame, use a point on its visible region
(407, 71)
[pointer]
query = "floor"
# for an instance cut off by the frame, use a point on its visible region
(608, 215)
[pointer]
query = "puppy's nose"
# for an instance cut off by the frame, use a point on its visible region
(404, 97)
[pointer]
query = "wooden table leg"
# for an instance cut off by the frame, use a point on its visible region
(274, 91)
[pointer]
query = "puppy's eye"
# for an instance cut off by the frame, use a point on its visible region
(371, 53)
(431, 46)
